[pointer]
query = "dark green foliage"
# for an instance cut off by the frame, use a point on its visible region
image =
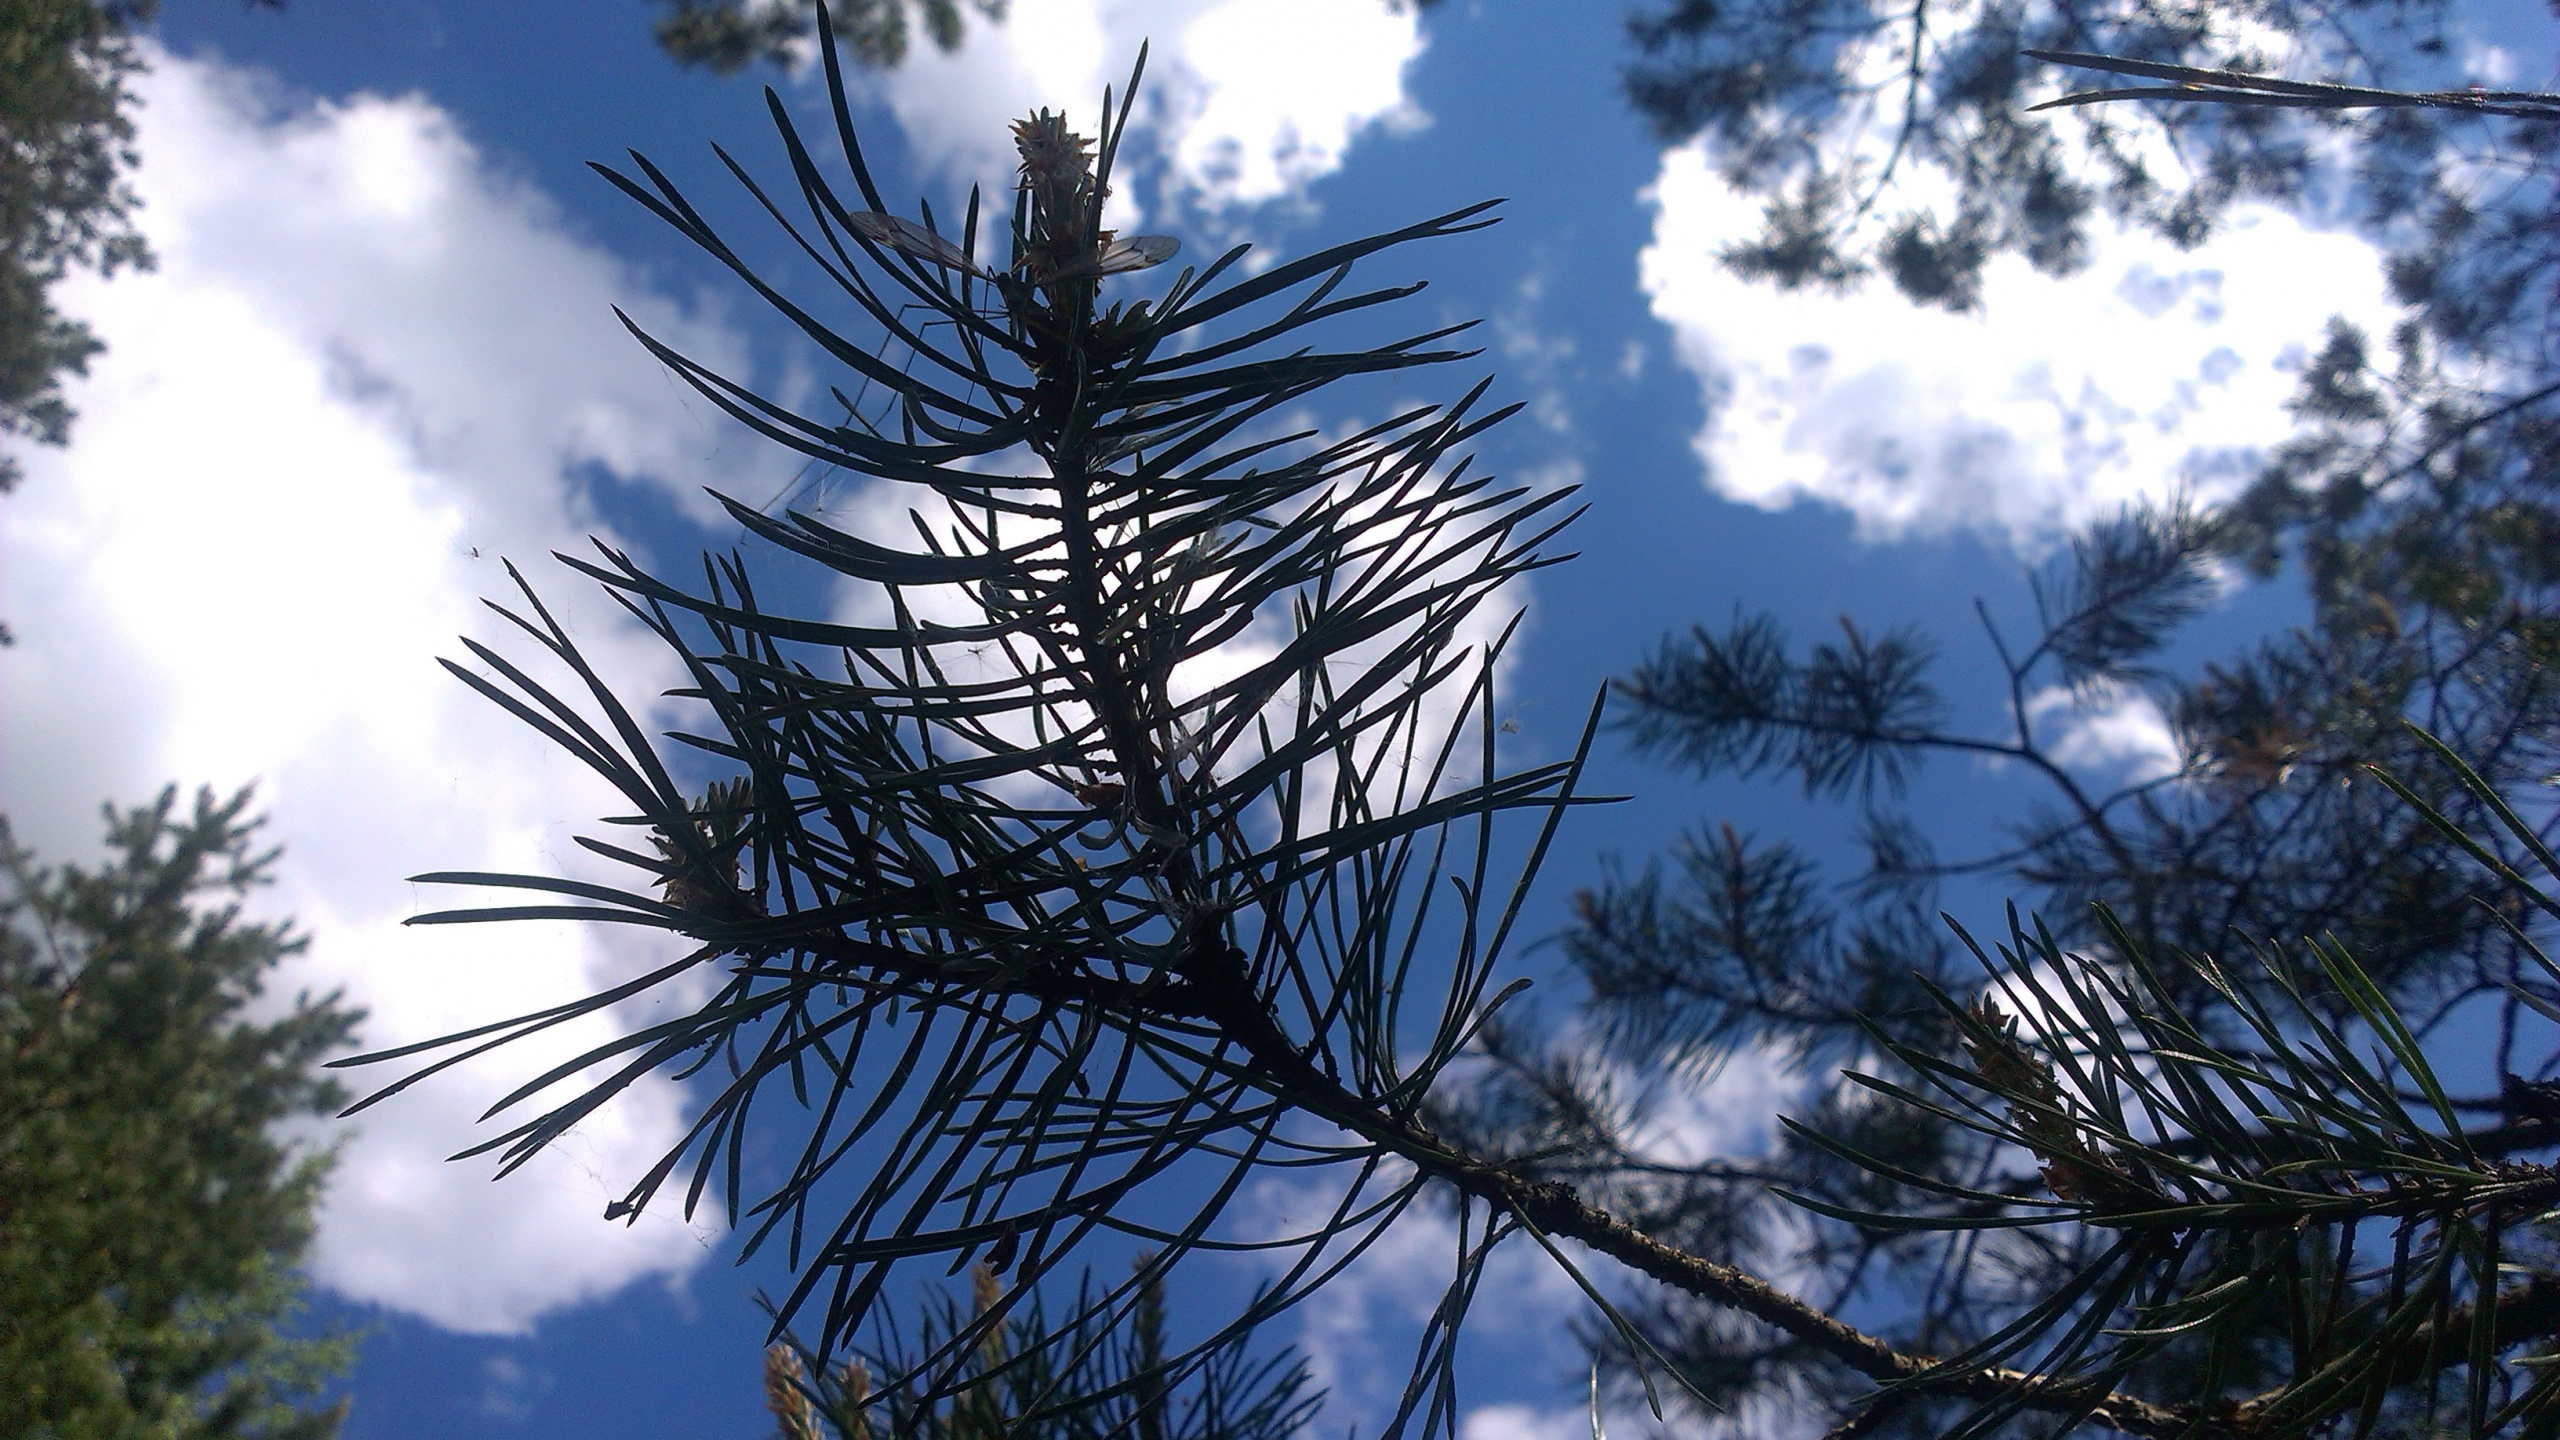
(1022, 925)
(1019, 931)
(66, 144)
(2429, 609)
(1739, 701)
(150, 1216)
(2418, 498)
(2433, 603)
(729, 35)
(1817, 105)
(2265, 1179)
(2167, 1188)
(1739, 949)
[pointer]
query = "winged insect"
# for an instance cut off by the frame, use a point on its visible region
(812, 477)
(1136, 252)
(1058, 174)
(909, 238)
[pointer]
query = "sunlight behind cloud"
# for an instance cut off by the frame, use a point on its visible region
(366, 368)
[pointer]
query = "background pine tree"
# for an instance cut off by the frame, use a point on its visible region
(66, 147)
(728, 35)
(151, 1218)
(2419, 503)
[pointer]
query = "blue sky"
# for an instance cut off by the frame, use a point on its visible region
(378, 355)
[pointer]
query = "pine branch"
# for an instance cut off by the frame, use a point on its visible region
(2231, 87)
(1556, 1211)
(1033, 903)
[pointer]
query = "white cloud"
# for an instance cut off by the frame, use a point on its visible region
(509, 1388)
(1245, 102)
(2053, 403)
(2119, 732)
(1540, 360)
(2491, 65)
(369, 364)
(1522, 1422)
(1272, 92)
(1731, 1114)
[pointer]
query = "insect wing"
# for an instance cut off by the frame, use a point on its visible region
(1137, 252)
(908, 238)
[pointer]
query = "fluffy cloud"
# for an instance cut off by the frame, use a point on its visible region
(1730, 1114)
(1521, 1422)
(368, 366)
(2154, 369)
(1246, 101)
(2119, 733)
(1271, 93)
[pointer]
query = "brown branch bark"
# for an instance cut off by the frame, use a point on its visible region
(1557, 1210)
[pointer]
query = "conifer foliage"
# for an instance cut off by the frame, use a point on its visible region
(1124, 841)
(1116, 1373)
(66, 148)
(2065, 1149)
(728, 35)
(1138, 827)
(150, 1219)
(1907, 143)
